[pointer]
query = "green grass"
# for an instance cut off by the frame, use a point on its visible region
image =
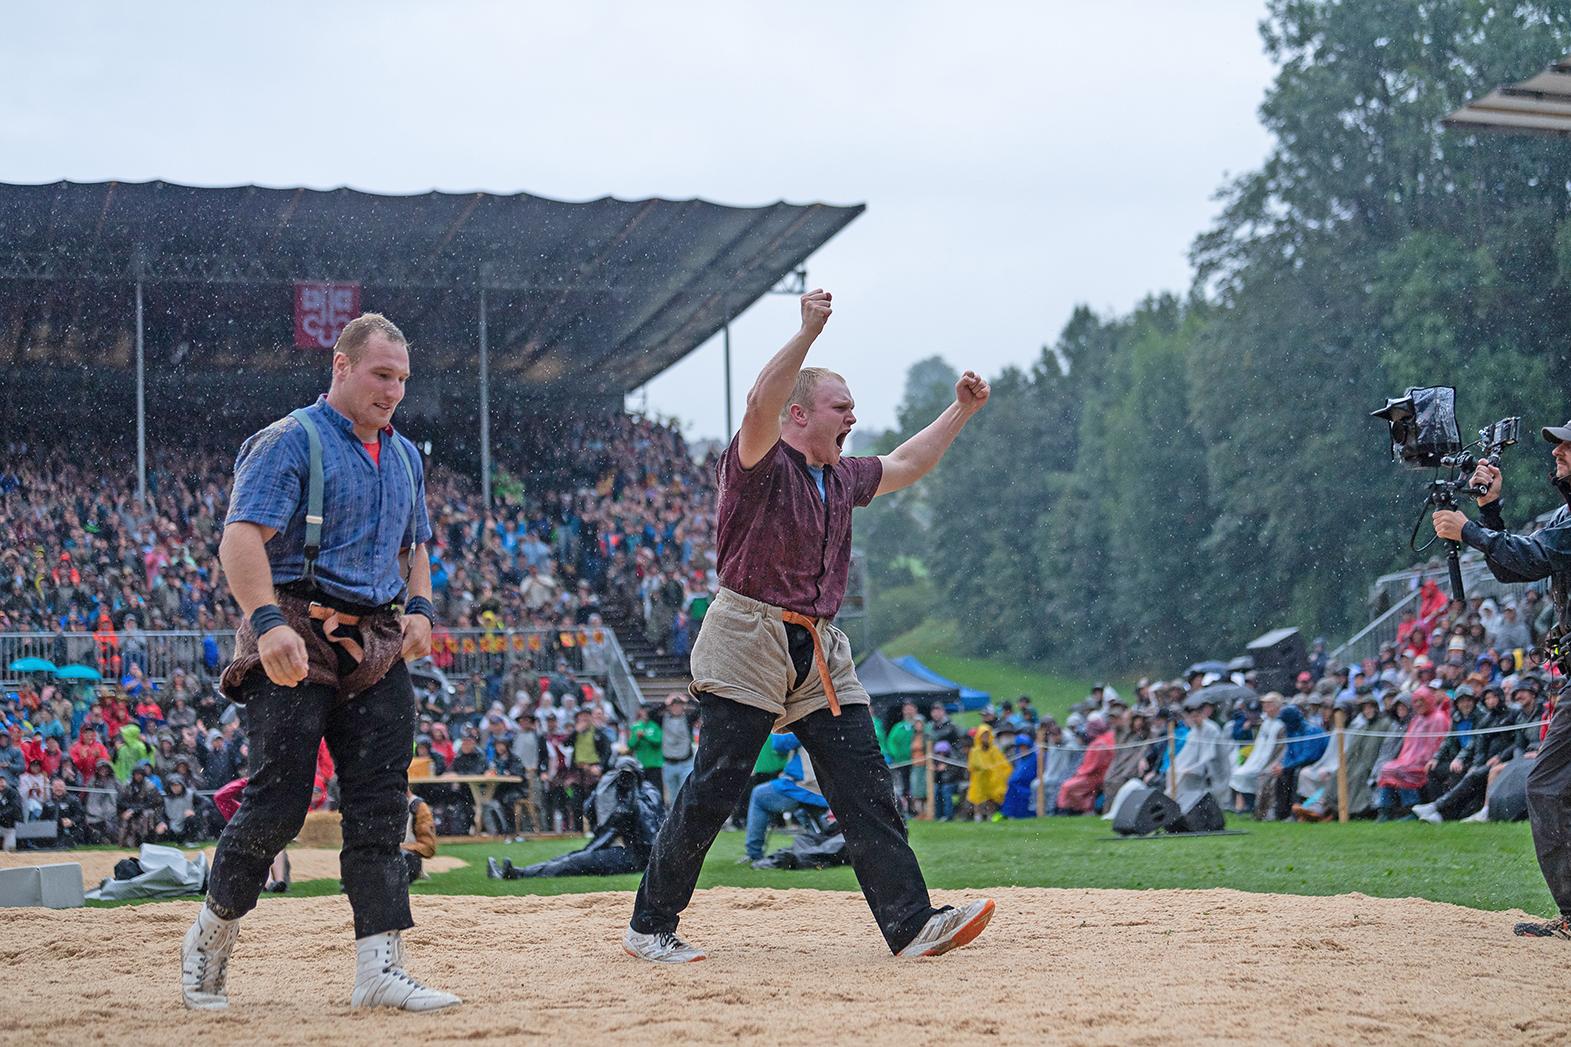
(935, 643)
(1482, 866)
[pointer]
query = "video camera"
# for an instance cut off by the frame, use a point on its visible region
(1425, 435)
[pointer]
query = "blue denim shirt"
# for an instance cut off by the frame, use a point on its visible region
(367, 515)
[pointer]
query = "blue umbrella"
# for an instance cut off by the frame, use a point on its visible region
(78, 672)
(32, 665)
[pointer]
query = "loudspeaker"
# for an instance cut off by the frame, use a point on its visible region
(1145, 812)
(1279, 657)
(1203, 816)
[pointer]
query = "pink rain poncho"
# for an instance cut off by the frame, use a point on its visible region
(1425, 733)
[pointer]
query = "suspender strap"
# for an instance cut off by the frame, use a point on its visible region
(313, 504)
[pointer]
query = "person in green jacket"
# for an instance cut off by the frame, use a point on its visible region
(643, 741)
(765, 769)
(897, 751)
(132, 751)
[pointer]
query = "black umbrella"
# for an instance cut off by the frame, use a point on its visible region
(1221, 695)
(1206, 667)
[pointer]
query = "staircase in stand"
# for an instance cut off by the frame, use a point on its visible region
(656, 675)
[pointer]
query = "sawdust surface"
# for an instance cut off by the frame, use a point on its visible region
(1056, 966)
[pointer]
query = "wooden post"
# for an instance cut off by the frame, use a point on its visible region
(1172, 759)
(1342, 813)
(920, 765)
(1041, 769)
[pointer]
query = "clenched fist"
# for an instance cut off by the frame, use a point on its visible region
(416, 629)
(283, 655)
(816, 310)
(1448, 524)
(972, 391)
(1487, 476)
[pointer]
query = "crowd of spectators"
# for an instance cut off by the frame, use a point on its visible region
(1432, 722)
(592, 519)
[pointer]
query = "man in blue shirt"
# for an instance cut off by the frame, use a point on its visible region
(321, 657)
(795, 788)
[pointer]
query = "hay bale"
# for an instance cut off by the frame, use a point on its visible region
(321, 829)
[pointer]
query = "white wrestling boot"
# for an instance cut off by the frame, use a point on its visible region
(381, 981)
(204, 961)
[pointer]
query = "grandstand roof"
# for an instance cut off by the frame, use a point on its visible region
(1541, 104)
(599, 295)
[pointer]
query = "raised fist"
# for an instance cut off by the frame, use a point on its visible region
(816, 310)
(972, 391)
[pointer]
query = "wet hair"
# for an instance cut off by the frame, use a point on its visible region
(807, 380)
(357, 334)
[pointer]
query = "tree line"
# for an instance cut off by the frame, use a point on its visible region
(1168, 484)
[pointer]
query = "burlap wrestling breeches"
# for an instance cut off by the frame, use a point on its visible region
(742, 654)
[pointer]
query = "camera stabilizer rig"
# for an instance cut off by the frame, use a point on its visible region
(1424, 435)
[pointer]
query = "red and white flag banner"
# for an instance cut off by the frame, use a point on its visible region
(322, 310)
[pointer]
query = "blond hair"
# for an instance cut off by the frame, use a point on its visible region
(807, 380)
(353, 339)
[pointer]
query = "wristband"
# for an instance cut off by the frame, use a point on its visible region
(266, 618)
(420, 605)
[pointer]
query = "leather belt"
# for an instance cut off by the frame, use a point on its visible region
(331, 618)
(811, 625)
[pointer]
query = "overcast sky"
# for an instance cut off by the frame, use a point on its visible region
(1016, 159)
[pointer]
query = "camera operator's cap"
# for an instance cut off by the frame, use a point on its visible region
(1556, 434)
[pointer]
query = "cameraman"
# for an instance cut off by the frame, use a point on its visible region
(1517, 558)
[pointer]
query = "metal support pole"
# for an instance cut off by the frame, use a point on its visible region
(729, 431)
(485, 410)
(141, 400)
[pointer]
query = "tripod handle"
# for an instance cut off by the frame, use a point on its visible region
(1454, 568)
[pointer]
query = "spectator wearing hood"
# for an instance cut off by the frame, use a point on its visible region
(1304, 745)
(1131, 728)
(33, 787)
(69, 816)
(179, 823)
(1400, 780)
(102, 804)
(222, 762)
(1019, 794)
(1363, 750)
(1078, 794)
(129, 752)
(989, 774)
(140, 808)
(11, 761)
(1064, 753)
(942, 731)
(1198, 767)
(1488, 751)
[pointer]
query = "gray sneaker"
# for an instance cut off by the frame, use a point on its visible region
(660, 948)
(950, 929)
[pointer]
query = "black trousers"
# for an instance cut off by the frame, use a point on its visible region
(1465, 797)
(1549, 805)
(370, 738)
(855, 781)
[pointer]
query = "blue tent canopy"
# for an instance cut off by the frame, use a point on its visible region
(970, 697)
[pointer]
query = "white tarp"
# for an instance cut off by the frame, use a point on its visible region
(166, 873)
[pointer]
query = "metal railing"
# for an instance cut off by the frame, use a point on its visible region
(592, 651)
(1476, 579)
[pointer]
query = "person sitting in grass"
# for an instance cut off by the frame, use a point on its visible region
(1078, 795)
(1400, 780)
(796, 788)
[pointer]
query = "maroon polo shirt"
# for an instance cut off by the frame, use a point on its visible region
(780, 542)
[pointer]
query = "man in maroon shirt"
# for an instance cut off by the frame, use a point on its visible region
(768, 658)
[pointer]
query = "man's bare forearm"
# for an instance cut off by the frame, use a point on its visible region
(420, 572)
(928, 446)
(773, 387)
(243, 554)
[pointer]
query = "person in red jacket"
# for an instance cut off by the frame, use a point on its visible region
(1078, 794)
(86, 751)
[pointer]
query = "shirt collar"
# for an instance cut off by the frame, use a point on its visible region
(332, 414)
(801, 459)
